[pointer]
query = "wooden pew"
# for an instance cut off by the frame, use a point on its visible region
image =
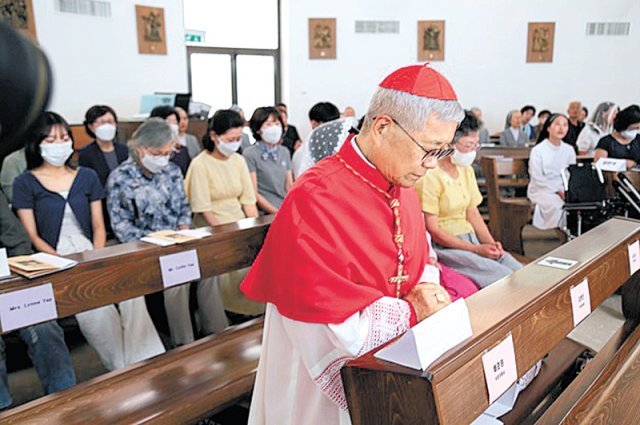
(181, 386)
(533, 305)
(608, 384)
(116, 273)
(507, 216)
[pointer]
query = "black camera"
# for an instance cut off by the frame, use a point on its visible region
(25, 87)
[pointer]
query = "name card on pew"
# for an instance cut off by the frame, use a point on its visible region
(612, 164)
(431, 338)
(557, 263)
(500, 369)
(580, 301)
(4, 264)
(634, 256)
(179, 268)
(27, 307)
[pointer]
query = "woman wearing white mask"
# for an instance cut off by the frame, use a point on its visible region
(601, 125)
(269, 162)
(450, 197)
(61, 209)
(180, 155)
(623, 142)
(105, 153)
(220, 191)
(145, 194)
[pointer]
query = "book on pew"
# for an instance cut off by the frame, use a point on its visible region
(172, 237)
(40, 264)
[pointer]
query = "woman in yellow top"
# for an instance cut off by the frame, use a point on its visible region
(450, 197)
(219, 189)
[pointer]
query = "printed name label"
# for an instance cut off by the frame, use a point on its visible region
(27, 307)
(179, 268)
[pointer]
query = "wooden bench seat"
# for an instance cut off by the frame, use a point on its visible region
(179, 387)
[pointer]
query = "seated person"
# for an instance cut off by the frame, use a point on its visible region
(13, 165)
(600, 126)
(269, 162)
(220, 191)
(105, 153)
(290, 138)
(623, 142)
(145, 194)
(61, 210)
(450, 197)
(513, 135)
(527, 113)
(547, 162)
(185, 139)
(542, 118)
(179, 155)
(483, 132)
(47, 349)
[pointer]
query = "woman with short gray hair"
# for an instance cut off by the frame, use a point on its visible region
(145, 194)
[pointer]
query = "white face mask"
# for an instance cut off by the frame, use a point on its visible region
(154, 163)
(630, 134)
(463, 159)
(175, 128)
(106, 132)
(228, 148)
(56, 154)
(272, 134)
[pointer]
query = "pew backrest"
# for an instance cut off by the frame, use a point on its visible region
(116, 273)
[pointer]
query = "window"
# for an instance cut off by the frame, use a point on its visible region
(236, 57)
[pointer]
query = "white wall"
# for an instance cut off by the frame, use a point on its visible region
(485, 56)
(95, 60)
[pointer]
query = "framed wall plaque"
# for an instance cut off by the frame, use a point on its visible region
(151, 30)
(540, 41)
(19, 15)
(430, 41)
(322, 38)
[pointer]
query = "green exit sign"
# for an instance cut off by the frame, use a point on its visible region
(194, 36)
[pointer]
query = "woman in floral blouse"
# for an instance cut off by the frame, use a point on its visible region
(145, 194)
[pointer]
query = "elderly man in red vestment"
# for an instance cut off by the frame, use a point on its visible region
(345, 266)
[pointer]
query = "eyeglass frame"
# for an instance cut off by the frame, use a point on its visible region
(438, 154)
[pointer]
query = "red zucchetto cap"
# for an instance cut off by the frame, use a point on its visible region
(420, 80)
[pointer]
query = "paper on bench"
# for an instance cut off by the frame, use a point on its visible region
(157, 241)
(59, 262)
(4, 264)
(431, 338)
(557, 263)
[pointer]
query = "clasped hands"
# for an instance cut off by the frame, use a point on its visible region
(426, 299)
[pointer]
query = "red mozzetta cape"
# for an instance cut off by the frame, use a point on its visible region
(329, 252)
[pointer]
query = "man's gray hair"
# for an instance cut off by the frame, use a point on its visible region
(154, 133)
(409, 110)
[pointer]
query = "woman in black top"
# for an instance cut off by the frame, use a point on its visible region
(623, 142)
(105, 153)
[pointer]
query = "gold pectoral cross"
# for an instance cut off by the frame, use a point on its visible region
(398, 281)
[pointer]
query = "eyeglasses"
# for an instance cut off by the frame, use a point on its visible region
(438, 154)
